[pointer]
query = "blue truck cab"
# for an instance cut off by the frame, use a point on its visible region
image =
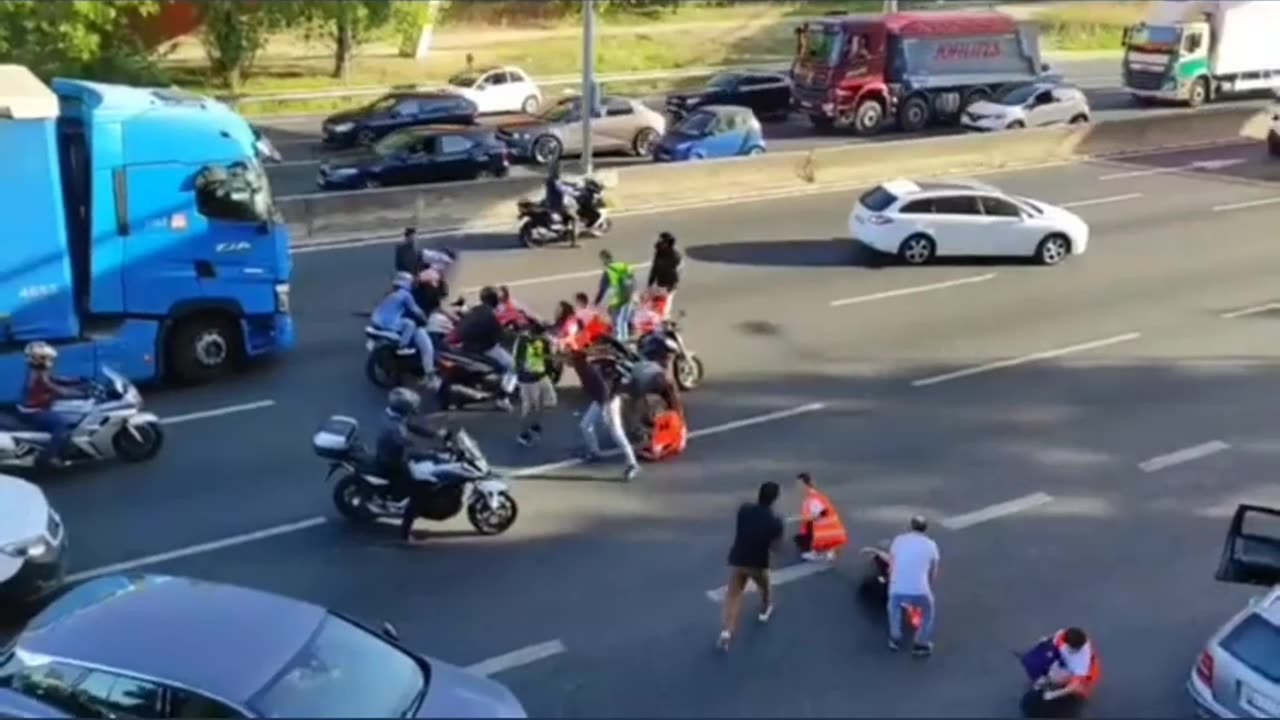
(141, 233)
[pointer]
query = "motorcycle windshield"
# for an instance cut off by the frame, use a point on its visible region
(470, 450)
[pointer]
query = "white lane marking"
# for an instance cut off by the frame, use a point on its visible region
(912, 290)
(999, 510)
(555, 278)
(1023, 360)
(293, 163)
(1244, 205)
(517, 658)
(704, 432)
(788, 574)
(1254, 310)
(216, 412)
(1101, 200)
(1177, 457)
(1201, 165)
(200, 549)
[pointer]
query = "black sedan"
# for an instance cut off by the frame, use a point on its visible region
(422, 155)
(766, 92)
(389, 113)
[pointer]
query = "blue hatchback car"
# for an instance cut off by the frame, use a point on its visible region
(154, 646)
(713, 131)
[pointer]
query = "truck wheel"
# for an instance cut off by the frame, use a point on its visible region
(867, 118)
(203, 348)
(913, 116)
(1199, 94)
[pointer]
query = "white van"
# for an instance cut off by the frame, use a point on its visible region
(32, 545)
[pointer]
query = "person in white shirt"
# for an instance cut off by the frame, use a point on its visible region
(913, 568)
(1069, 682)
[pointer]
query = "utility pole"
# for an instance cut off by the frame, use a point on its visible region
(890, 6)
(588, 81)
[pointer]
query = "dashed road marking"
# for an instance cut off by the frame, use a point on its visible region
(1177, 457)
(518, 658)
(900, 292)
(216, 412)
(1025, 359)
(994, 512)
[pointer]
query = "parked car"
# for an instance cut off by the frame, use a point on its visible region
(32, 545)
(1028, 105)
(421, 155)
(389, 113)
(1238, 673)
(498, 90)
(150, 646)
(766, 92)
(1273, 137)
(921, 221)
(620, 124)
(713, 131)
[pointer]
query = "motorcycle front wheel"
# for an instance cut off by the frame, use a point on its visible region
(528, 236)
(688, 371)
(605, 226)
(138, 443)
(492, 520)
(351, 498)
(380, 368)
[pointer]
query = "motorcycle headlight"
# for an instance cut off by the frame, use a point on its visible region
(24, 549)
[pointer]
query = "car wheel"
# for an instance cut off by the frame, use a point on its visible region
(868, 118)
(755, 150)
(546, 150)
(917, 250)
(371, 183)
(1080, 119)
(1053, 250)
(530, 105)
(644, 143)
(1015, 125)
(365, 138)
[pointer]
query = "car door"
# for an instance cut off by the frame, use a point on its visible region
(453, 158)
(420, 164)
(750, 93)
(959, 226)
(521, 87)
(491, 92)
(916, 216)
(615, 127)
(1006, 228)
(726, 137)
(407, 112)
(405, 168)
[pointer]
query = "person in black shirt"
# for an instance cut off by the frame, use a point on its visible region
(664, 271)
(757, 535)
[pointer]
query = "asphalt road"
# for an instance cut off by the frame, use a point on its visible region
(298, 138)
(607, 582)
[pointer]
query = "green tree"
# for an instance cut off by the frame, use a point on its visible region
(81, 38)
(234, 32)
(346, 24)
(408, 17)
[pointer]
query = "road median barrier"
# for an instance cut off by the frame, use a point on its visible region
(323, 217)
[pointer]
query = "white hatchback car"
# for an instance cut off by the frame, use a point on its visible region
(1028, 106)
(498, 90)
(921, 221)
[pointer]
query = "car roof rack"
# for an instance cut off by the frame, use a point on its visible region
(1250, 555)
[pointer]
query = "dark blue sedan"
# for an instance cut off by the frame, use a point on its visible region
(366, 125)
(422, 155)
(152, 646)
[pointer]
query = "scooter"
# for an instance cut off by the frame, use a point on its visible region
(585, 212)
(111, 425)
(874, 588)
(459, 473)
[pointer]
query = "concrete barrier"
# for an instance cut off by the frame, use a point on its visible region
(315, 218)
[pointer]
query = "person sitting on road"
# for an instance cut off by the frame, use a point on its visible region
(400, 313)
(395, 450)
(1070, 680)
(618, 281)
(481, 334)
(822, 533)
(43, 389)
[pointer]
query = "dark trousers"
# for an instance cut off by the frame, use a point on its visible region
(1035, 706)
(804, 539)
(413, 508)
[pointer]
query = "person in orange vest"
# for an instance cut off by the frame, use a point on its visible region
(821, 531)
(1069, 682)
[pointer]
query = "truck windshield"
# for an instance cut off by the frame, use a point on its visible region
(238, 192)
(821, 44)
(1155, 37)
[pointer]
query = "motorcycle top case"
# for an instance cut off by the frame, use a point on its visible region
(336, 438)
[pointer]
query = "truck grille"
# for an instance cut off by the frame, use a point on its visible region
(1145, 80)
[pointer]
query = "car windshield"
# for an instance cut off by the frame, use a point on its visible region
(1256, 643)
(464, 80)
(723, 81)
(344, 671)
(561, 111)
(697, 124)
(382, 104)
(877, 199)
(394, 143)
(1017, 95)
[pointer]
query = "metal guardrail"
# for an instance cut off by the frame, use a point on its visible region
(553, 81)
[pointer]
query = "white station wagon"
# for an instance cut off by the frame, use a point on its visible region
(921, 221)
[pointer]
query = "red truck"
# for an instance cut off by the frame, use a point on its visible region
(920, 68)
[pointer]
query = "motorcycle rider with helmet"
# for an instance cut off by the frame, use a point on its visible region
(481, 333)
(395, 449)
(399, 312)
(554, 190)
(43, 389)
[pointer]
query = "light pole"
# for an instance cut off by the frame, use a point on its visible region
(588, 81)
(890, 6)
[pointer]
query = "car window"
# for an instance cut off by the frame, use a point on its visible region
(344, 671)
(1064, 95)
(617, 108)
(918, 207)
(999, 207)
(121, 696)
(496, 78)
(51, 683)
(698, 123)
(408, 106)
(454, 144)
(1044, 97)
(1256, 643)
(187, 704)
(877, 199)
(956, 205)
(517, 76)
(723, 82)
(1015, 95)
(429, 145)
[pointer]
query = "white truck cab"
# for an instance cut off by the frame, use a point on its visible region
(32, 545)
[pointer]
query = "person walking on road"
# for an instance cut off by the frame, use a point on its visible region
(537, 393)
(664, 271)
(913, 568)
(757, 535)
(606, 405)
(822, 533)
(618, 283)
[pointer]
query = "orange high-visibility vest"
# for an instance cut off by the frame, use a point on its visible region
(1084, 686)
(828, 531)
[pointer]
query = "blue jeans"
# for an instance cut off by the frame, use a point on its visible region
(898, 603)
(410, 333)
(58, 426)
(622, 321)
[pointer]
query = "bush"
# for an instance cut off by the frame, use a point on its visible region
(92, 40)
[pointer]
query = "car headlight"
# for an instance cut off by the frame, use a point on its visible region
(282, 297)
(343, 127)
(24, 549)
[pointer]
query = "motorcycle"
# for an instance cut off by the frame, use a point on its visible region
(111, 425)
(874, 589)
(585, 211)
(387, 364)
(461, 476)
(686, 366)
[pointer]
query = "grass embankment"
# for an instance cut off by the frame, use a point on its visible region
(694, 36)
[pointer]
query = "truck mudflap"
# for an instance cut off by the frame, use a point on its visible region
(1251, 553)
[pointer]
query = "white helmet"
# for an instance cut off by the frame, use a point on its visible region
(402, 280)
(40, 353)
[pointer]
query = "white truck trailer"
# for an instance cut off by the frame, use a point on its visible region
(1196, 51)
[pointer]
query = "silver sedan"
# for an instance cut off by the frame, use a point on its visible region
(620, 124)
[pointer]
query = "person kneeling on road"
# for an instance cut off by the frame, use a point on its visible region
(821, 531)
(395, 450)
(399, 312)
(537, 393)
(1070, 680)
(481, 334)
(648, 377)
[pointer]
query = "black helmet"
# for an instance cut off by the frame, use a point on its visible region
(410, 232)
(489, 296)
(403, 402)
(666, 238)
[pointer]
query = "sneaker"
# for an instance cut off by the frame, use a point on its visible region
(893, 645)
(723, 641)
(810, 556)
(765, 614)
(503, 404)
(922, 649)
(631, 472)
